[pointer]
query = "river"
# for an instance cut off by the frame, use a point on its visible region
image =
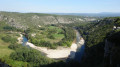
(81, 47)
(77, 53)
(25, 40)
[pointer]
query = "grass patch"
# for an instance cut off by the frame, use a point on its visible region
(4, 50)
(58, 36)
(51, 27)
(56, 28)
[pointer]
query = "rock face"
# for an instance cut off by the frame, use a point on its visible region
(112, 51)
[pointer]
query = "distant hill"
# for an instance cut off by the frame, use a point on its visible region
(25, 20)
(103, 14)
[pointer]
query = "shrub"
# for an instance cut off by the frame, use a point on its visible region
(51, 36)
(30, 55)
(14, 46)
(10, 39)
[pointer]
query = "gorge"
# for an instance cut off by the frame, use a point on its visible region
(60, 52)
(75, 41)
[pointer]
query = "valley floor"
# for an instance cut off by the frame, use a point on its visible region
(60, 52)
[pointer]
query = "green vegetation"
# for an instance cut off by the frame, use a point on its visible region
(27, 57)
(10, 39)
(14, 46)
(32, 56)
(6, 38)
(51, 33)
(117, 22)
(14, 54)
(51, 36)
(95, 35)
(69, 37)
(4, 50)
(6, 27)
(13, 63)
(35, 20)
(5, 53)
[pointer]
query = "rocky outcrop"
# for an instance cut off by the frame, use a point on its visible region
(112, 49)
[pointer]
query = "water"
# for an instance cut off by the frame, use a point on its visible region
(25, 40)
(80, 50)
(79, 54)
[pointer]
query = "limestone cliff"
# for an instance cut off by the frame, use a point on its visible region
(112, 51)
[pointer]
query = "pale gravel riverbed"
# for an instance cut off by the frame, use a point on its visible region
(60, 52)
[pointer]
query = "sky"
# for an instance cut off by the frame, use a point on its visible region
(60, 6)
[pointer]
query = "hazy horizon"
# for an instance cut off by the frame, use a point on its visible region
(60, 6)
(60, 12)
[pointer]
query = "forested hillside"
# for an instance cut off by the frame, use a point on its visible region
(95, 35)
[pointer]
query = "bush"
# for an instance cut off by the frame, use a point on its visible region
(51, 36)
(53, 46)
(9, 28)
(10, 39)
(45, 43)
(14, 46)
(30, 55)
(42, 28)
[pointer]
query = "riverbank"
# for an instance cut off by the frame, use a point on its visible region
(60, 52)
(20, 39)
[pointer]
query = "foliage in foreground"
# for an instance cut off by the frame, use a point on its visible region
(34, 57)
